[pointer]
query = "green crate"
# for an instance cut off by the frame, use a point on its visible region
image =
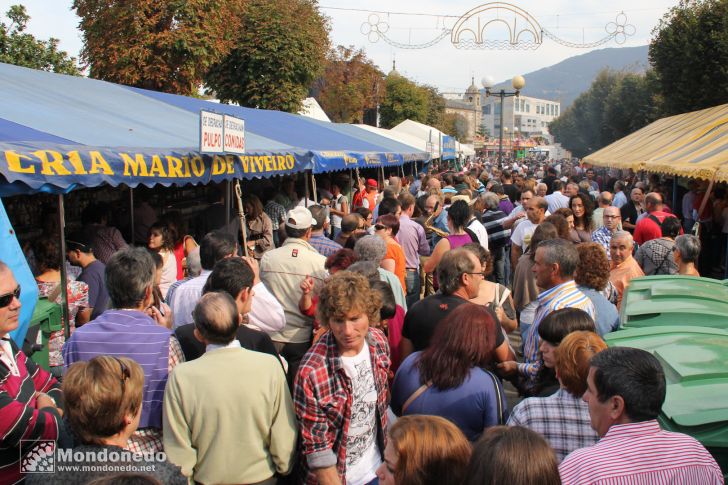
(675, 300)
(47, 318)
(695, 360)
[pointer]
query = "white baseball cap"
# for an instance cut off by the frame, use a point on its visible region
(299, 218)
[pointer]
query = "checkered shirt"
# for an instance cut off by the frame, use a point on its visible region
(603, 236)
(561, 418)
(322, 396)
(324, 245)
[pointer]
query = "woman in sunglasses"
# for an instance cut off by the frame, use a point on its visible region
(103, 408)
(387, 227)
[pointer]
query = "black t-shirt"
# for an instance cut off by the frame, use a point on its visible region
(421, 320)
(549, 180)
(512, 192)
(629, 214)
(98, 296)
(250, 339)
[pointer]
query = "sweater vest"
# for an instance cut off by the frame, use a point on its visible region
(132, 334)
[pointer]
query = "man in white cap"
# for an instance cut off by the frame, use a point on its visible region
(282, 270)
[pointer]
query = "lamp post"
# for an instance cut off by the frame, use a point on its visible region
(518, 82)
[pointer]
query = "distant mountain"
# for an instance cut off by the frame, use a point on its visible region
(566, 80)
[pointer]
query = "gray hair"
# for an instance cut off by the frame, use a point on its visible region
(623, 234)
(216, 317)
(453, 265)
(129, 273)
(689, 247)
(491, 200)
(369, 269)
(371, 248)
(318, 212)
(561, 252)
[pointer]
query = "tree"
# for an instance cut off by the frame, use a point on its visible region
(278, 54)
(22, 49)
(435, 107)
(350, 86)
(403, 100)
(689, 53)
(160, 45)
(615, 105)
(455, 125)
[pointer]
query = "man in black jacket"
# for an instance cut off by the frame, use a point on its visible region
(234, 277)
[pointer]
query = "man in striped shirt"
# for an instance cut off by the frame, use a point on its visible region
(625, 392)
(554, 265)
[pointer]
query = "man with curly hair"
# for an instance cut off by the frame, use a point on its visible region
(340, 391)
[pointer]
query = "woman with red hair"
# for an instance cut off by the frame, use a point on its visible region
(450, 377)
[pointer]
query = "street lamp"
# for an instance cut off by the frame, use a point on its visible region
(518, 82)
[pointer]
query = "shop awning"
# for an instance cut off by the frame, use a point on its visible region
(691, 145)
(333, 146)
(60, 132)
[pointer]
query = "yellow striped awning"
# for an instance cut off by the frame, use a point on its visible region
(690, 145)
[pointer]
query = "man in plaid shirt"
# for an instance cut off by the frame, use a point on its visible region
(340, 393)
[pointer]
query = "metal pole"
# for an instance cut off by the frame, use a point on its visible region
(500, 143)
(314, 191)
(64, 276)
(228, 202)
(350, 197)
(305, 200)
(675, 208)
(131, 212)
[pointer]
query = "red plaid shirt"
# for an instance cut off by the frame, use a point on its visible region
(322, 397)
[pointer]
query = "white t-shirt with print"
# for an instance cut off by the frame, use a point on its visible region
(362, 454)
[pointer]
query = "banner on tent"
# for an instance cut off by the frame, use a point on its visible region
(331, 161)
(62, 165)
(449, 147)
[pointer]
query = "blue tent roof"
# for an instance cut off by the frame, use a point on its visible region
(58, 132)
(335, 146)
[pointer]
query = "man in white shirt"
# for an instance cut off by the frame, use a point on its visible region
(521, 236)
(556, 200)
(266, 313)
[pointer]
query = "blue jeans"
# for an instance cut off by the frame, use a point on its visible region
(499, 268)
(412, 280)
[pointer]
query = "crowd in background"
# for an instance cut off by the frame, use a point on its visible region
(370, 332)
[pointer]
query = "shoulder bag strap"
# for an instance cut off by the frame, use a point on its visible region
(415, 395)
(499, 398)
(503, 297)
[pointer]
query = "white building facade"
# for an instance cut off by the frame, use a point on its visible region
(522, 115)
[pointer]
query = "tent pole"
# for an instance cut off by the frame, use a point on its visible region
(227, 203)
(131, 213)
(314, 192)
(674, 194)
(305, 200)
(351, 188)
(64, 277)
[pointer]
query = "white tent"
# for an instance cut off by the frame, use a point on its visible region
(312, 109)
(465, 150)
(429, 135)
(410, 140)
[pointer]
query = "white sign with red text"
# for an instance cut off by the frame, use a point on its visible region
(211, 132)
(233, 135)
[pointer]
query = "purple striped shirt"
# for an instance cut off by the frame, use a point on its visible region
(412, 238)
(641, 454)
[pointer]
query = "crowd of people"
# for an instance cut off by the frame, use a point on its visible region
(363, 339)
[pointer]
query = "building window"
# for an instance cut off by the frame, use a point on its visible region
(528, 108)
(497, 109)
(486, 109)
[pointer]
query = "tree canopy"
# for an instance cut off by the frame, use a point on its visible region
(278, 54)
(22, 49)
(165, 46)
(350, 86)
(689, 53)
(615, 105)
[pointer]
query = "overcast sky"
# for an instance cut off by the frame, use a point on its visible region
(443, 65)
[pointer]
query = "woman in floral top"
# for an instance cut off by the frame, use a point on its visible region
(48, 261)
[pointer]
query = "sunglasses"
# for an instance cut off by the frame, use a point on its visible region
(7, 298)
(379, 227)
(125, 374)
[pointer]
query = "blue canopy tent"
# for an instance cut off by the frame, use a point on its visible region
(333, 146)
